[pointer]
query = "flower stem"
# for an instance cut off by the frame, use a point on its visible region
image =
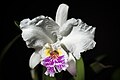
(34, 74)
(80, 70)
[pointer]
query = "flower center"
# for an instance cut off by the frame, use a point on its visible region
(54, 54)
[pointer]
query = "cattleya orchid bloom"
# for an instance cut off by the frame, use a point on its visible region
(58, 44)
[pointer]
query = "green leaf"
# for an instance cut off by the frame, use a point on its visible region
(116, 74)
(17, 24)
(96, 66)
(6, 48)
(100, 57)
(80, 70)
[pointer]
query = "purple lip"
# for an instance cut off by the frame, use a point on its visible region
(54, 65)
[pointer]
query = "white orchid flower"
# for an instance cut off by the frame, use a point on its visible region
(58, 44)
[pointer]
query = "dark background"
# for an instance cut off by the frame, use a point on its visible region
(100, 14)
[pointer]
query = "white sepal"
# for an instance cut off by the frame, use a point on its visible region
(34, 60)
(61, 14)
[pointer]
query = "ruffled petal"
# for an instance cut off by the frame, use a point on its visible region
(24, 23)
(67, 27)
(80, 39)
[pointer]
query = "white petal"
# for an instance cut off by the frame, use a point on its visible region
(42, 28)
(34, 60)
(36, 20)
(24, 23)
(61, 14)
(39, 22)
(79, 40)
(67, 27)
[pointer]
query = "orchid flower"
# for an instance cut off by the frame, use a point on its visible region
(58, 44)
